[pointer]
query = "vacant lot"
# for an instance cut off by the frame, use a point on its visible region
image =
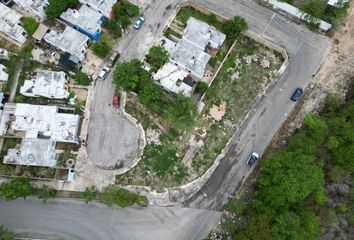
(174, 157)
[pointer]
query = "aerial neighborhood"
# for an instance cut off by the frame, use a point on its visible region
(206, 119)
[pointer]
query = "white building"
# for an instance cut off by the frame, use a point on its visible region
(102, 6)
(10, 27)
(173, 79)
(70, 41)
(202, 34)
(85, 20)
(38, 121)
(34, 7)
(32, 152)
(47, 84)
(190, 57)
(337, 3)
(4, 76)
(4, 54)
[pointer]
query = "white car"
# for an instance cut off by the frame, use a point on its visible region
(252, 159)
(103, 73)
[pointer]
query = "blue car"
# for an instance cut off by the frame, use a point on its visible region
(297, 94)
(139, 22)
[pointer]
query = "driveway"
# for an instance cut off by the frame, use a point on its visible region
(73, 220)
(307, 51)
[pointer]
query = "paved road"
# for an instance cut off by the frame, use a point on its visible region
(73, 220)
(112, 139)
(306, 52)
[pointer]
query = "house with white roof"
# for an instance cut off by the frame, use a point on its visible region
(85, 20)
(202, 34)
(70, 41)
(10, 27)
(49, 84)
(32, 152)
(4, 54)
(173, 79)
(39, 121)
(4, 76)
(34, 7)
(102, 6)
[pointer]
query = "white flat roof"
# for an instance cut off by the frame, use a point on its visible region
(101, 6)
(337, 3)
(45, 121)
(33, 152)
(37, 7)
(71, 41)
(86, 18)
(171, 78)
(47, 84)
(201, 34)
(9, 24)
(4, 76)
(190, 57)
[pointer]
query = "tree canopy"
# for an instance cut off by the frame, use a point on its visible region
(233, 27)
(157, 57)
(16, 188)
(56, 7)
(6, 234)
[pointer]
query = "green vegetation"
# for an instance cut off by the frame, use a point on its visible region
(123, 11)
(201, 87)
(113, 28)
(46, 193)
(90, 194)
(82, 79)
(6, 234)
(16, 188)
(10, 69)
(56, 7)
(318, 9)
(234, 27)
(157, 57)
(178, 110)
(30, 25)
(185, 13)
(103, 47)
(121, 197)
(290, 196)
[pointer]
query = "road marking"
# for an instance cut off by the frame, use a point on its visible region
(270, 21)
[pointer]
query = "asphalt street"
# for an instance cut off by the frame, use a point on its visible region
(74, 220)
(307, 51)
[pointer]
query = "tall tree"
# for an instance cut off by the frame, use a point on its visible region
(18, 187)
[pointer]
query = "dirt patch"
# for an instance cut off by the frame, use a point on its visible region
(217, 112)
(80, 93)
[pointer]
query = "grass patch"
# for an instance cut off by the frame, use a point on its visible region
(185, 13)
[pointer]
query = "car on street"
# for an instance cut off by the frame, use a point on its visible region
(252, 159)
(139, 22)
(103, 73)
(115, 101)
(297, 94)
(113, 59)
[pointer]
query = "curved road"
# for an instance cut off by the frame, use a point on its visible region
(306, 50)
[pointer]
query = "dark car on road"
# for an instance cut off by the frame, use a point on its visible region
(113, 59)
(252, 159)
(297, 94)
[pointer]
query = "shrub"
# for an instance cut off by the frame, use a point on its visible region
(233, 27)
(113, 28)
(18, 187)
(82, 79)
(157, 57)
(46, 193)
(56, 7)
(113, 194)
(103, 47)
(201, 87)
(30, 25)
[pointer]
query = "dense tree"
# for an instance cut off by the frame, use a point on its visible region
(123, 11)
(233, 27)
(6, 234)
(30, 25)
(16, 188)
(47, 193)
(113, 27)
(103, 47)
(56, 7)
(201, 87)
(113, 194)
(157, 57)
(82, 78)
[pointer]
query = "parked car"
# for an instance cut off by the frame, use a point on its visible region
(113, 59)
(115, 101)
(139, 22)
(297, 94)
(103, 73)
(8, 3)
(252, 159)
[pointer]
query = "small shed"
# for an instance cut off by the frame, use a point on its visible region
(40, 32)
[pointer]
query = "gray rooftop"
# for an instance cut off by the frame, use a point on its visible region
(190, 57)
(33, 152)
(86, 18)
(203, 34)
(101, 6)
(71, 41)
